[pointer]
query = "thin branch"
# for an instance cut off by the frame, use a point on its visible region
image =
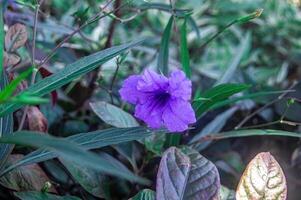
(37, 8)
(67, 38)
(247, 118)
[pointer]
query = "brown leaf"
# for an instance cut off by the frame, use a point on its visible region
(15, 37)
(262, 179)
(10, 59)
(24, 178)
(36, 120)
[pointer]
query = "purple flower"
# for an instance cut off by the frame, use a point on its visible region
(160, 101)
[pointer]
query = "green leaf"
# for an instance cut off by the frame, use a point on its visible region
(91, 140)
(164, 48)
(42, 196)
(8, 91)
(69, 73)
(251, 16)
(91, 180)
(27, 99)
(113, 115)
(6, 127)
(213, 127)
(217, 94)
(186, 175)
(127, 150)
(251, 132)
(238, 55)
(173, 139)
(155, 143)
(184, 49)
(145, 194)
(69, 151)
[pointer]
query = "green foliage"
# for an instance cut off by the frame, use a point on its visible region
(184, 49)
(217, 94)
(241, 56)
(164, 48)
(92, 140)
(145, 194)
(69, 151)
(69, 73)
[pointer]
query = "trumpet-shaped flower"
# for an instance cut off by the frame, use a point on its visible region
(160, 101)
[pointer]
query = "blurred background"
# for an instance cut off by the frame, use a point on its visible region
(264, 53)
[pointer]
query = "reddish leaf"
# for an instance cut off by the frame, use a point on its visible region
(44, 73)
(24, 178)
(10, 59)
(36, 120)
(15, 37)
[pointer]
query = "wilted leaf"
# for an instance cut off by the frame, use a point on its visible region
(42, 196)
(145, 194)
(36, 120)
(186, 175)
(30, 177)
(15, 37)
(10, 59)
(262, 179)
(113, 115)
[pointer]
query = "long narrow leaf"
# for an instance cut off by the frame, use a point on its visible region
(184, 50)
(70, 151)
(217, 94)
(92, 140)
(69, 73)
(164, 48)
(9, 89)
(6, 127)
(237, 57)
(252, 132)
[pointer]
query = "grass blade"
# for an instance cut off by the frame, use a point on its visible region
(184, 49)
(164, 48)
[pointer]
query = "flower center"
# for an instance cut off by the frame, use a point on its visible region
(162, 98)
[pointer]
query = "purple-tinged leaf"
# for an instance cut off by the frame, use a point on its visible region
(185, 174)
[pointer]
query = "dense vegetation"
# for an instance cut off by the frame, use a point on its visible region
(145, 100)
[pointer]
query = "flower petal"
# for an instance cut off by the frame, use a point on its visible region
(129, 91)
(151, 115)
(151, 81)
(178, 115)
(179, 85)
